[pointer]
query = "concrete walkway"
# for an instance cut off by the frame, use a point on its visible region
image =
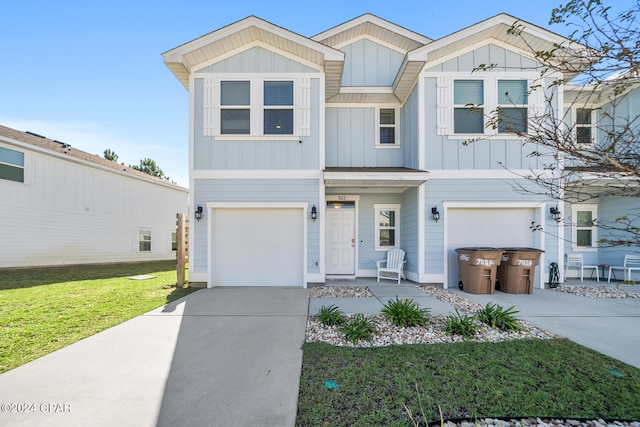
(218, 357)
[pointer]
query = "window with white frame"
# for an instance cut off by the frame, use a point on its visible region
(11, 165)
(144, 241)
(386, 125)
(468, 111)
(387, 226)
(256, 107)
(512, 106)
(174, 241)
(584, 125)
(463, 104)
(584, 230)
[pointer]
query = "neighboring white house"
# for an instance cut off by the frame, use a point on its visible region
(60, 205)
(312, 157)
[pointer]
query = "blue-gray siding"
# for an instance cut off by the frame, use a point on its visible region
(504, 60)
(257, 60)
(368, 63)
(409, 131)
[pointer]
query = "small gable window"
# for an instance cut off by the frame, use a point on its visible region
(468, 112)
(11, 165)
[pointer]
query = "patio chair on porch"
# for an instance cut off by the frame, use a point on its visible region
(578, 262)
(631, 263)
(393, 266)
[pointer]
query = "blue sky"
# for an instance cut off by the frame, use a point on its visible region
(91, 73)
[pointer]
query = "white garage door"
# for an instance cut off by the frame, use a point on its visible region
(493, 227)
(258, 247)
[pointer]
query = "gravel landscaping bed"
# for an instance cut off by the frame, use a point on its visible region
(597, 292)
(537, 421)
(431, 333)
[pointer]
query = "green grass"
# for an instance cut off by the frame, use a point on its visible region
(512, 378)
(45, 309)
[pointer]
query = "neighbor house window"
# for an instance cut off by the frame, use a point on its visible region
(584, 126)
(387, 226)
(278, 108)
(11, 165)
(174, 241)
(512, 106)
(386, 119)
(235, 114)
(145, 241)
(584, 233)
(468, 111)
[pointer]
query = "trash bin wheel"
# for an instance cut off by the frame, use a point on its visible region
(460, 284)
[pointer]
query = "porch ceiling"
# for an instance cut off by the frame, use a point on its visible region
(374, 177)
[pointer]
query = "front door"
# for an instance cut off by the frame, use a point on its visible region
(340, 256)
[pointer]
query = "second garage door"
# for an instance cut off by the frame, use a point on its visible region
(494, 227)
(258, 247)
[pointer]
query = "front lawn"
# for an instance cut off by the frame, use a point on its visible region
(45, 309)
(529, 377)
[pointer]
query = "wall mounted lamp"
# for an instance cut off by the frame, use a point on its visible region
(435, 214)
(314, 213)
(555, 213)
(198, 213)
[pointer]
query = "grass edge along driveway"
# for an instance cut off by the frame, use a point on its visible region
(45, 309)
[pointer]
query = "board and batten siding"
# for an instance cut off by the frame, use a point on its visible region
(72, 213)
(253, 190)
(505, 60)
(409, 229)
(350, 139)
(610, 208)
(256, 60)
(368, 63)
(409, 131)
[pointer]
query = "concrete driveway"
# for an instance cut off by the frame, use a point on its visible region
(218, 357)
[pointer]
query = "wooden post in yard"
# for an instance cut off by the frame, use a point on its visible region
(180, 252)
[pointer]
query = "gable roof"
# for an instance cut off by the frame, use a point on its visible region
(182, 59)
(373, 26)
(63, 150)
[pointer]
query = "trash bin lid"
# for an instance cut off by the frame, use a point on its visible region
(516, 249)
(478, 248)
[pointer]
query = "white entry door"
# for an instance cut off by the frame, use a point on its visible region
(340, 256)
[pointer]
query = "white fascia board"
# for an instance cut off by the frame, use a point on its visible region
(486, 173)
(256, 43)
(377, 176)
(366, 89)
(176, 54)
(373, 39)
(258, 174)
(494, 204)
(367, 17)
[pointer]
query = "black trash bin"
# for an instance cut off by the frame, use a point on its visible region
(516, 272)
(477, 269)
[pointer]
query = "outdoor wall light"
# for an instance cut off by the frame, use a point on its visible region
(555, 213)
(314, 213)
(435, 214)
(198, 213)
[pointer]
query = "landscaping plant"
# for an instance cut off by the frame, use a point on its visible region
(458, 324)
(359, 327)
(405, 312)
(331, 316)
(497, 317)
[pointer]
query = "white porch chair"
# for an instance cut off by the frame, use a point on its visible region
(393, 266)
(577, 261)
(631, 263)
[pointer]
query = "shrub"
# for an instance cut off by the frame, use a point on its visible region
(458, 324)
(405, 312)
(497, 317)
(359, 327)
(331, 316)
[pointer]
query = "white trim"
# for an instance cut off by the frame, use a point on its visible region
(590, 207)
(303, 206)
(486, 173)
(257, 174)
(396, 127)
(422, 238)
(366, 89)
(373, 39)
(376, 225)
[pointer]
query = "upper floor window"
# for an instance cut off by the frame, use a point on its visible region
(386, 124)
(584, 125)
(387, 223)
(512, 106)
(468, 113)
(584, 230)
(11, 165)
(256, 107)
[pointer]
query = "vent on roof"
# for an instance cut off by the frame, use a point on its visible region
(66, 147)
(35, 134)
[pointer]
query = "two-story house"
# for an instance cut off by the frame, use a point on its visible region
(311, 157)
